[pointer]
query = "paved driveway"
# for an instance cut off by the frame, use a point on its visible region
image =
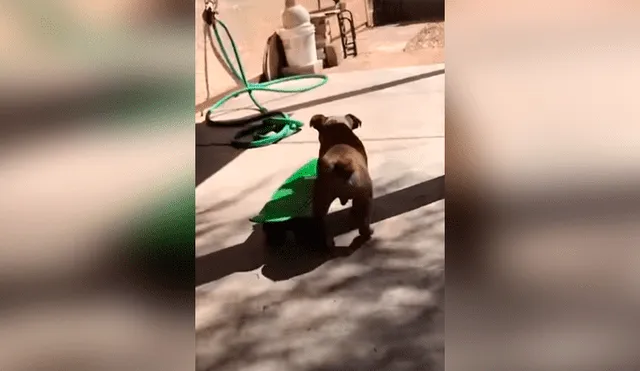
(379, 308)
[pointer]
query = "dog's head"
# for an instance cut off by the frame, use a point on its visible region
(321, 122)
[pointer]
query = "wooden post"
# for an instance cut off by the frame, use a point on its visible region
(368, 8)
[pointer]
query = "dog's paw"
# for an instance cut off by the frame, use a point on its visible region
(330, 243)
(366, 232)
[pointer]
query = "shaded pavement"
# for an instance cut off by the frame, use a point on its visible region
(377, 307)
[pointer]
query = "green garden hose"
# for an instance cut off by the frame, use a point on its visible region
(273, 129)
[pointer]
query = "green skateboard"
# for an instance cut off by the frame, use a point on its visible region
(290, 209)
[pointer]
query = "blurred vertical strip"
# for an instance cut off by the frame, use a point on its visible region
(543, 185)
(97, 178)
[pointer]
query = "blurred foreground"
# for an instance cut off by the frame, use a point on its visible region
(96, 160)
(543, 188)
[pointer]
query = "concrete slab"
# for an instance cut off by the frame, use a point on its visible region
(379, 308)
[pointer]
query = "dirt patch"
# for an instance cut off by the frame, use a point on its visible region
(397, 46)
(430, 37)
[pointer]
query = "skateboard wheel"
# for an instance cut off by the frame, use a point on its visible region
(275, 234)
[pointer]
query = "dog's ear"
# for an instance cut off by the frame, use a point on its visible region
(317, 121)
(355, 122)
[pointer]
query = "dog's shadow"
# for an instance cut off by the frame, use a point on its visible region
(278, 263)
(294, 259)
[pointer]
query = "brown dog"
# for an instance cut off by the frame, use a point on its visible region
(342, 170)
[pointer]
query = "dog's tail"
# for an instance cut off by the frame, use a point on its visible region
(341, 167)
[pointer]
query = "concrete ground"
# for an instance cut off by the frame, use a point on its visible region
(380, 308)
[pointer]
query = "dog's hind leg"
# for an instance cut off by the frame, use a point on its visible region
(343, 200)
(321, 203)
(362, 211)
